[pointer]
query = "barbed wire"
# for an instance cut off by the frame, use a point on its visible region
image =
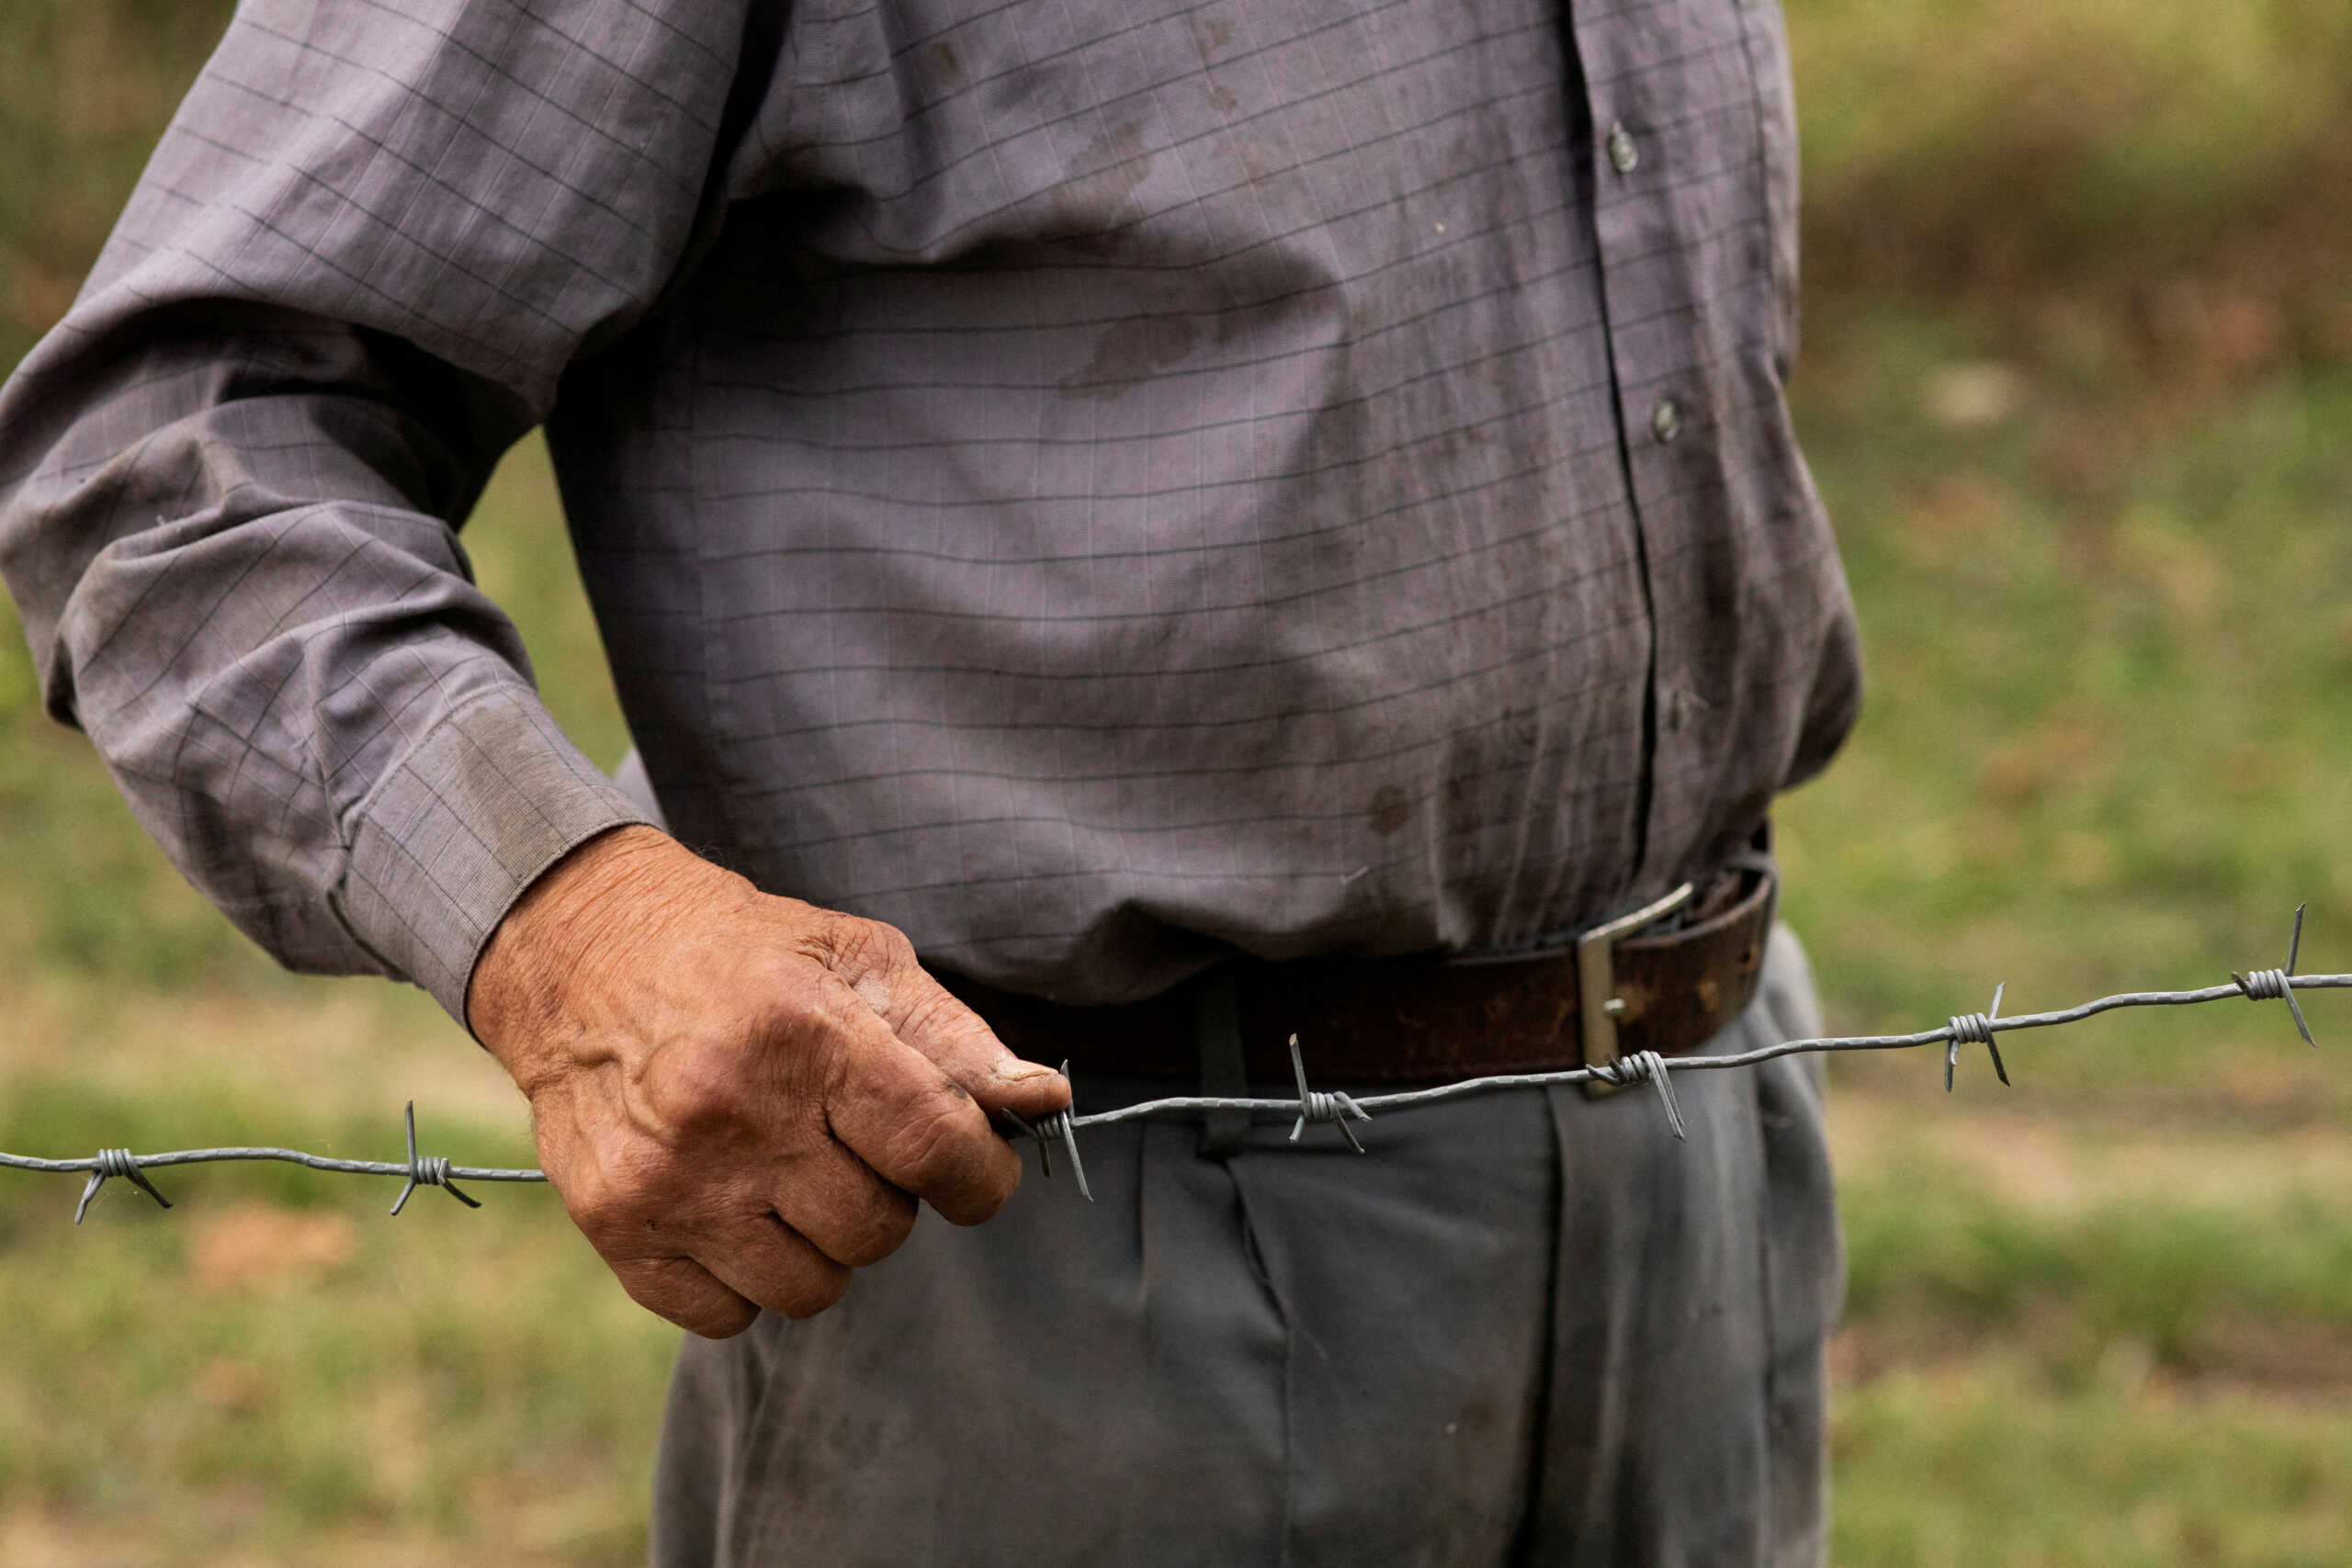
(421, 1171)
(1310, 1107)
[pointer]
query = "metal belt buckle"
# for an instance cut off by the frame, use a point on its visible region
(1597, 982)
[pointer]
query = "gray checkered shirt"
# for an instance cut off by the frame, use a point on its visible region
(1097, 483)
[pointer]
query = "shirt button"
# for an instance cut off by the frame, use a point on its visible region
(1677, 710)
(1665, 420)
(1623, 156)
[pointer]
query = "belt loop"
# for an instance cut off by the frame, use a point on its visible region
(1224, 1071)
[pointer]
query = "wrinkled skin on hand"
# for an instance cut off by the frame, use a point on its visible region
(740, 1098)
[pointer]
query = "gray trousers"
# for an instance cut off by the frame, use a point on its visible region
(1529, 1328)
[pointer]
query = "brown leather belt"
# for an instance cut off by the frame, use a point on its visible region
(1668, 990)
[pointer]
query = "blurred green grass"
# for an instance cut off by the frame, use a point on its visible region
(274, 1357)
(1998, 1472)
(2078, 386)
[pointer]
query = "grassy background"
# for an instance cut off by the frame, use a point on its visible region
(2078, 385)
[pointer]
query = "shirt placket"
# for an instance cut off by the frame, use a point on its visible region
(1665, 432)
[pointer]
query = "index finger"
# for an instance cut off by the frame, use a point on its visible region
(938, 1024)
(902, 1114)
(880, 966)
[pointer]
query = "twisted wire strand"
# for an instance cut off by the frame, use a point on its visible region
(1310, 1107)
(2263, 985)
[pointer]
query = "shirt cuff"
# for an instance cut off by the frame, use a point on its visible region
(488, 799)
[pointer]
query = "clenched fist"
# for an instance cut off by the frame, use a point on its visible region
(740, 1097)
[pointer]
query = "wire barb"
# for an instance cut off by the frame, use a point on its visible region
(116, 1162)
(427, 1171)
(1976, 1029)
(2277, 985)
(1646, 1067)
(1047, 1130)
(1318, 1107)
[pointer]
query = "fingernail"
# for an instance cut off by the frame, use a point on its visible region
(1012, 1070)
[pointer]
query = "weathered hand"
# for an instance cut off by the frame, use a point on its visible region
(740, 1097)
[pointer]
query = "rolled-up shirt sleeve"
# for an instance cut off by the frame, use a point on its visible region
(355, 272)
